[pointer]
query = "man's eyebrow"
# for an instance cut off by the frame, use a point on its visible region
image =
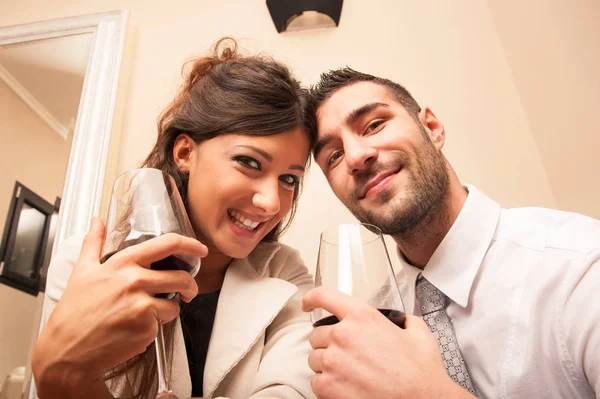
(321, 143)
(350, 119)
(354, 115)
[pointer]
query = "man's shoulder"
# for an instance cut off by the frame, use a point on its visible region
(542, 228)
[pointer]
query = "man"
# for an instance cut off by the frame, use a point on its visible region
(509, 294)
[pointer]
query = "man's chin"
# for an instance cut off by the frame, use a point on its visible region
(383, 214)
(384, 201)
(378, 218)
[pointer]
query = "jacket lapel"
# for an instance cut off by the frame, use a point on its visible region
(181, 384)
(247, 305)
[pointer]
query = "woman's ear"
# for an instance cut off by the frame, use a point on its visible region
(434, 128)
(183, 150)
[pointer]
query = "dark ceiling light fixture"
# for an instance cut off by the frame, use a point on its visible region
(291, 15)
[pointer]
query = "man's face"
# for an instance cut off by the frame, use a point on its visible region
(379, 160)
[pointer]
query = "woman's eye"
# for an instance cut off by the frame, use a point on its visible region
(334, 157)
(290, 180)
(248, 162)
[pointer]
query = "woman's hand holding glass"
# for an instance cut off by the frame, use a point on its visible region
(116, 298)
(108, 312)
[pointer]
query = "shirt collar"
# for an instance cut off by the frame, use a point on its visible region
(455, 263)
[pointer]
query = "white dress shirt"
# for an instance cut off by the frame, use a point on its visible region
(523, 287)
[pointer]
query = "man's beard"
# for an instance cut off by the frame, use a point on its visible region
(423, 198)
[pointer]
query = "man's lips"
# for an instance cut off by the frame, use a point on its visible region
(377, 180)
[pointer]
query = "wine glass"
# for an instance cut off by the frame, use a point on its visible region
(353, 259)
(145, 203)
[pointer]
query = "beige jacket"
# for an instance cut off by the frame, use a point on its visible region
(259, 344)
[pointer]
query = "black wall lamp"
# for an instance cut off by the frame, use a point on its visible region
(289, 13)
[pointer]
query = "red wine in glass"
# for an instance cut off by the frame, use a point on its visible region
(169, 263)
(395, 316)
(353, 260)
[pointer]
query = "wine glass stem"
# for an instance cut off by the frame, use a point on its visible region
(163, 386)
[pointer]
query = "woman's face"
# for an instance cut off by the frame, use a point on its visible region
(240, 186)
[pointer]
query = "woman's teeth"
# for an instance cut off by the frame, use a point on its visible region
(241, 221)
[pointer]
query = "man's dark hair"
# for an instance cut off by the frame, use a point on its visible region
(334, 80)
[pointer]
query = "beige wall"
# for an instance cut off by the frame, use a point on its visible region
(37, 156)
(447, 53)
(553, 50)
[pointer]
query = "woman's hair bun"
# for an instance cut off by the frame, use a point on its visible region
(226, 49)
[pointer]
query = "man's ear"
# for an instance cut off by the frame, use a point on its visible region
(183, 151)
(434, 128)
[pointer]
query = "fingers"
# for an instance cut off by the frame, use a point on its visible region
(164, 281)
(330, 300)
(166, 309)
(320, 337)
(316, 383)
(315, 360)
(92, 243)
(161, 247)
(415, 322)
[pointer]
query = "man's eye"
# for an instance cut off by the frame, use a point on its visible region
(248, 162)
(334, 157)
(374, 126)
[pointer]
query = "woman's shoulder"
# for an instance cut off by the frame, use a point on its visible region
(62, 264)
(272, 259)
(67, 253)
(70, 247)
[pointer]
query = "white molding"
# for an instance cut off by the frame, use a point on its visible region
(84, 182)
(82, 192)
(33, 103)
(89, 152)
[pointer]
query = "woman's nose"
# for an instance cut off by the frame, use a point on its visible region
(267, 198)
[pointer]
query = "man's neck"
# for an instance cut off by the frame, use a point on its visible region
(418, 245)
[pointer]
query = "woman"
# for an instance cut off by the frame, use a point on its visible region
(234, 142)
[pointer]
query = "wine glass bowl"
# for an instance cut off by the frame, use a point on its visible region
(145, 203)
(353, 259)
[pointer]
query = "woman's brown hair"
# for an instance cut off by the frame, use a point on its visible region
(224, 93)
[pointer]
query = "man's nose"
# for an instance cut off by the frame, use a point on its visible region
(359, 155)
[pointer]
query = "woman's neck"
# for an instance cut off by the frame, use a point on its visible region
(212, 272)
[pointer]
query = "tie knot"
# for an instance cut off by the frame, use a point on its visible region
(430, 298)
